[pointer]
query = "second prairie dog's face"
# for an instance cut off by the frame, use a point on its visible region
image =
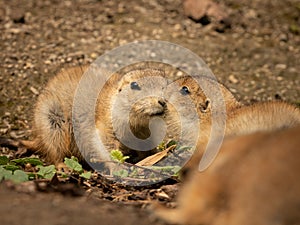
(186, 92)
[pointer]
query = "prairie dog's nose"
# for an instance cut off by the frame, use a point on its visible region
(162, 102)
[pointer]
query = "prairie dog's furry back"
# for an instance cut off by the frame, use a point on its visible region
(263, 116)
(52, 116)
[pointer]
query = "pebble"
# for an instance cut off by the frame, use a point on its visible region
(34, 90)
(47, 62)
(279, 78)
(177, 27)
(233, 79)
(129, 20)
(94, 55)
(28, 65)
(280, 66)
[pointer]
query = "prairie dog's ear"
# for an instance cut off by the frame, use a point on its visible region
(205, 106)
(123, 82)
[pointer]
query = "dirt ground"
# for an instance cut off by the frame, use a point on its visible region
(257, 57)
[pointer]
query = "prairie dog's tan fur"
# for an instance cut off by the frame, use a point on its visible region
(254, 180)
(240, 119)
(262, 116)
(145, 103)
(52, 116)
(53, 126)
(224, 102)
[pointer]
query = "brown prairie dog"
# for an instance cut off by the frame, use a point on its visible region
(264, 116)
(53, 126)
(141, 94)
(190, 90)
(254, 180)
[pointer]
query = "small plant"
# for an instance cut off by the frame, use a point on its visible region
(14, 169)
(17, 170)
(76, 167)
(118, 156)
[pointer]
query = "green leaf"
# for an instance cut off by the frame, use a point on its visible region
(4, 173)
(86, 175)
(118, 156)
(46, 172)
(73, 164)
(24, 161)
(11, 167)
(4, 160)
(17, 176)
(170, 143)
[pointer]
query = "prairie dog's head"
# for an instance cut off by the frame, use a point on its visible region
(139, 101)
(204, 93)
(142, 92)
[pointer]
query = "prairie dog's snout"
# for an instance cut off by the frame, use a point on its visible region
(149, 106)
(162, 102)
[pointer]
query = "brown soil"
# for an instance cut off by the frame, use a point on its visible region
(257, 58)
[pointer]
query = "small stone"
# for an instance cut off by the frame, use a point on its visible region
(47, 62)
(15, 30)
(18, 16)
(233, 79)
(129, 20)
(280, 66)
(34, 90)
(28, 65)
(94, 55)
(250, 14)
(177, 26)
(279, 78)
(283, 37)
(202, 11)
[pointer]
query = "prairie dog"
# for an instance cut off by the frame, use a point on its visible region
(223, 99)
(53, 126)
(141, 95)
(240, 119)
(254, 180)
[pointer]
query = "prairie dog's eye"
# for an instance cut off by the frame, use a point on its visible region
(134, 86)
(185, 90)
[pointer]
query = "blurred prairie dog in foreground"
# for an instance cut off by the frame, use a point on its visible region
(254, 180)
